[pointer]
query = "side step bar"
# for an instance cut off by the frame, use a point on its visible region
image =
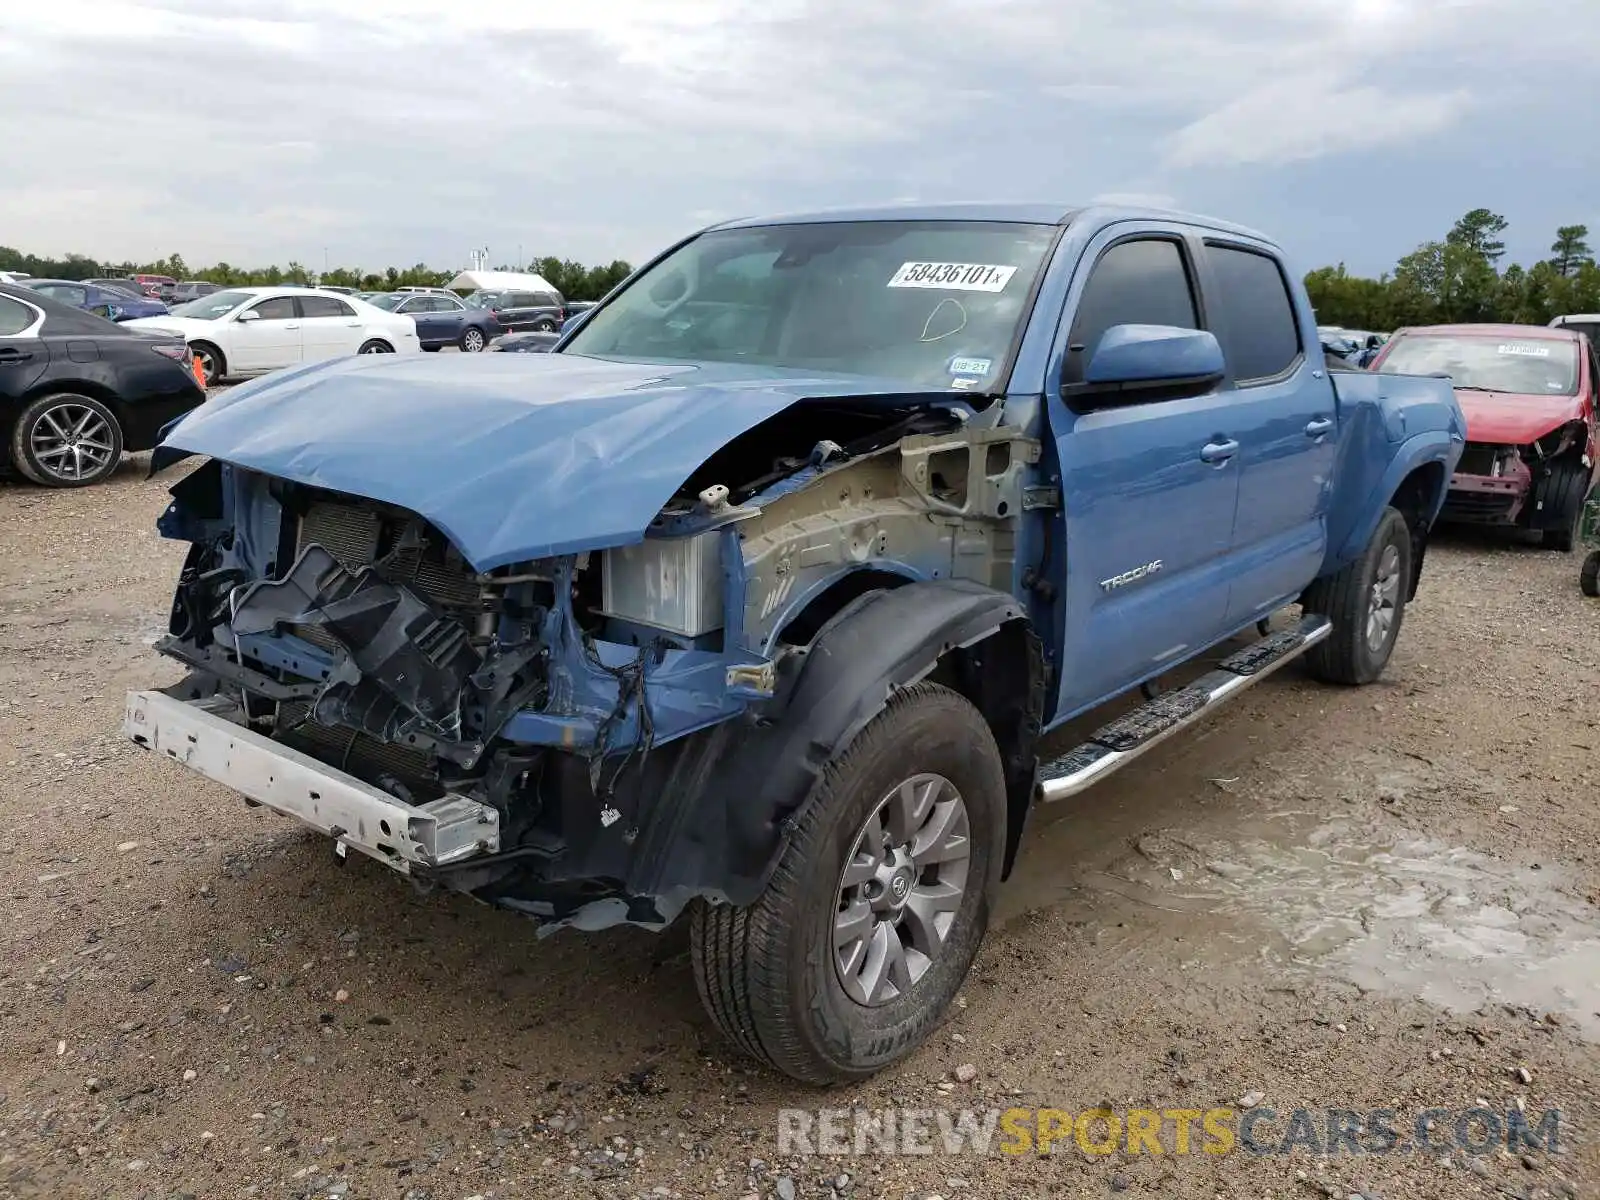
(1114, 746)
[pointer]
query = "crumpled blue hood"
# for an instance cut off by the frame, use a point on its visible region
(512, 456)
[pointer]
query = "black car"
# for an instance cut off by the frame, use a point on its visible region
(193, 289)
(443, 320)
(543, 311)
(77, 390)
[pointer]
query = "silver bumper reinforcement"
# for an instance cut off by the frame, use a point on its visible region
(357, 814)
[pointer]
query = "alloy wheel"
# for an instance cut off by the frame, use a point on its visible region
(901, 889)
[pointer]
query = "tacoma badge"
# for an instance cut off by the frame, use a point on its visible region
(1133, 576)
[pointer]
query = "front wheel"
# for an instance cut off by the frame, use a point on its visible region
(1366, 602)
(1560, 498)
(872, 917)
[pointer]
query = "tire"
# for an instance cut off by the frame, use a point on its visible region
(768, 973)
(212, 362)
(544, 326)
(1560, 496)
(432, 349)
(472, 340)
(375, 346)
(66, 440)
(1589, 577)
(1356, 600)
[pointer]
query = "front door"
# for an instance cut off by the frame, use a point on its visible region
(270, 341)
(1148, 489)
(1285, 422)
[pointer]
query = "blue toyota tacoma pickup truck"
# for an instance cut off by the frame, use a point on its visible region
(754, 599)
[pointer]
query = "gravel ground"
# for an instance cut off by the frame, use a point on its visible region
(1385, 898)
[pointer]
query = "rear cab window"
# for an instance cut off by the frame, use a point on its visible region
(1251, 312)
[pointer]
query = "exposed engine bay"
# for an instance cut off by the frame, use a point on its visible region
(566, 692)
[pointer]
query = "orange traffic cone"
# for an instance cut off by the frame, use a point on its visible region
(199, 371)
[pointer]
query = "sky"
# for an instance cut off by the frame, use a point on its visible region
(385, 132)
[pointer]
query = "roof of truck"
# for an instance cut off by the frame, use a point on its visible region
(1022, 213)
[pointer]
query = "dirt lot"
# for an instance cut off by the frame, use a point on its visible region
(1386, 898)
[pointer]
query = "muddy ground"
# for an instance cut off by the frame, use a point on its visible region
(1384, 898)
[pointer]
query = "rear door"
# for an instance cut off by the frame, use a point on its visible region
(23, 354)
(1148, 487)
(1282, 413)
(271, 341)
(330, 328)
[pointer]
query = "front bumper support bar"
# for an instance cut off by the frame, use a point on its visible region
(360, 816)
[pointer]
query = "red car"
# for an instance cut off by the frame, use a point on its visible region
(162, 287)
(1533, 433)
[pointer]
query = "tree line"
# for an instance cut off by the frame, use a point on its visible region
(572, 279)
(1460, 279)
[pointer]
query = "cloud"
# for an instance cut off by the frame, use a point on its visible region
(1311, 116)
(388, 132)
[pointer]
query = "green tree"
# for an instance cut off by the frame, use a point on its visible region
(1571, 250)
(1442, 282)
(1479, 231)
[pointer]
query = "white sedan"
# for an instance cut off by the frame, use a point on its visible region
(253, 330)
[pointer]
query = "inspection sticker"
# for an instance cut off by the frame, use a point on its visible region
(970, 366)
(1524, 348)
(954, 277)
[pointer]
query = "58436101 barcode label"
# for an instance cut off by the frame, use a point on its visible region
(955, 277)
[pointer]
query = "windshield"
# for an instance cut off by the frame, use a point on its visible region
(209, 308)
(1534, 366)
(388, 302)
(934, 303)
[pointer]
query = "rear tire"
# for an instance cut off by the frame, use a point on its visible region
(1561, 495)
(545, 325)
(1366, 601)
(840, 967)
(375, 346)
(66, 441)
(1589, 577)
(472, 340)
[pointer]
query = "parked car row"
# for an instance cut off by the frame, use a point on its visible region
(253, 330)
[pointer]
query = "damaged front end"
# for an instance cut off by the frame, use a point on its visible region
(552, 735)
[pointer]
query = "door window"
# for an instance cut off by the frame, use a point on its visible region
(1252, 314)
(1144, 281)
(324, 306)
(279, 308)
(15, 316)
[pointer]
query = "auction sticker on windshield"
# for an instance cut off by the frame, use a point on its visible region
(1524, 348)
(956, 277)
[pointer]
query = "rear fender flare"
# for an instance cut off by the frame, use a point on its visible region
(1434, 446)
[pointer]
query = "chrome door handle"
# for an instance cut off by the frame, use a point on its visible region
(1218, 452)
(292, 325)
(1319, 427)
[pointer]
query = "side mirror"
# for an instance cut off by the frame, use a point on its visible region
(1144, 361)
(249, 314)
